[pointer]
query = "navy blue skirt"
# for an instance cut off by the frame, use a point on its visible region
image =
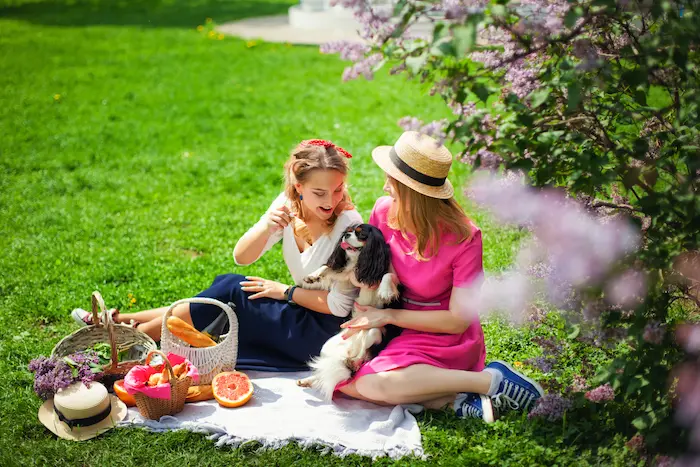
(272, 335)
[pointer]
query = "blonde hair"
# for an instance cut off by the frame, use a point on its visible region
(303, 160)
(428, 219)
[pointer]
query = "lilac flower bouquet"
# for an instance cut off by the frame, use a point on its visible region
(54, 373)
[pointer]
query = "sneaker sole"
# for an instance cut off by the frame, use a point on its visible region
(529, 380)
(487, 409)
(77, 318)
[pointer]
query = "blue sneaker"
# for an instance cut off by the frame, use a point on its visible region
(472, 405)
(516, 390)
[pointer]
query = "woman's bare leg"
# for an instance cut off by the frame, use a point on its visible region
(140, 316)
(418, 384)
(440, 402)
(152, 327)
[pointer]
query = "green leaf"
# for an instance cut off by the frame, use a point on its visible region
(70, 361)
(439, 32)
(572, 16)
(399, 6)
(498, 10)
(444, 47)
(481, 91)
(539, 96)
(642, 422)
(464, 38)
(574, 334)
(574, 91)
(416, 63)
(379, 65)
(641, 97)
(636, 77)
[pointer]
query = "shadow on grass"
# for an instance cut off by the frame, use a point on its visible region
(146, 13)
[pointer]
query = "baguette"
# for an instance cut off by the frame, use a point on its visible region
(203, 392)
(187, 333)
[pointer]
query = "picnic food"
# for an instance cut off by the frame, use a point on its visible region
(232, 388)
(187, 333)
(180, 371)
(203, 392)
(121, 393)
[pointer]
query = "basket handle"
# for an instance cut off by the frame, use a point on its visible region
(109, 323)
(98, 305)
(232, 319)
(165, 361)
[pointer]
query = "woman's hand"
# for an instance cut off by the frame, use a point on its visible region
(263, 288)
(367, 318)
(278, 219)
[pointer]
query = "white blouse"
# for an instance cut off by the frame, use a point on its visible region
(301, 264)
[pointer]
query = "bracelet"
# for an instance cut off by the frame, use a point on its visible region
(289, 293)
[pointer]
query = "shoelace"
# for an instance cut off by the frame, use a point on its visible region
(470, 410)
(499, 402)
(513, 397)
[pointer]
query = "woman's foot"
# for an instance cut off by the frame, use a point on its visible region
(511, 390)
(472, 405)
(84, 318)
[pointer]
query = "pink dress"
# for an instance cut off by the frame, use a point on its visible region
(428, 286)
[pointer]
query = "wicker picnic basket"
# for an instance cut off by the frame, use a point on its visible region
(153, 408)
(120, 337)
(209, 361)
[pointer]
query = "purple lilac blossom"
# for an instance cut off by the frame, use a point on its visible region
(551, 407)
(580, 384)
(627, 289)
(636, 443)
(544, 364)
(654, 333)
(602, 393)
(55, 373)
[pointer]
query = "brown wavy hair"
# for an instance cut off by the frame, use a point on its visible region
(303, 160)
(429, 219)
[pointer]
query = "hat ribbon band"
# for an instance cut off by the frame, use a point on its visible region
(413, 173)
(83, 421)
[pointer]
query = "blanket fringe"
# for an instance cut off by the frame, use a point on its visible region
(222, 439)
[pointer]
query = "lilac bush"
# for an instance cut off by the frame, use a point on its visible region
(588, 109)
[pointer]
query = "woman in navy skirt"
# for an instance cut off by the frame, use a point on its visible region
(280, 326)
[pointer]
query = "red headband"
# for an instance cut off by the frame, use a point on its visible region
(327, 144)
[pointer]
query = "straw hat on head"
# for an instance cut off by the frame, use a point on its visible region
(419, 162)
(78, 413)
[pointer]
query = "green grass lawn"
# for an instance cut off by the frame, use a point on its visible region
(134, 152)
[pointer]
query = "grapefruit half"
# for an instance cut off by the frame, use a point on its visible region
(232, 388)
(121, 393)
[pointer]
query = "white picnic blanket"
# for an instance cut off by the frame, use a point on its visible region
(280, 412)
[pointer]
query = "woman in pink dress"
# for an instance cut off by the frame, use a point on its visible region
(438, 358)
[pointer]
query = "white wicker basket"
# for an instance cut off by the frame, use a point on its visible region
(209, 361)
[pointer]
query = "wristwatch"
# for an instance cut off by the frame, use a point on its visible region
(289, 294)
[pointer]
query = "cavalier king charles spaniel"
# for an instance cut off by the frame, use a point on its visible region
(361, 259)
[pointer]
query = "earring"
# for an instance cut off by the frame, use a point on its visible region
(301, 197)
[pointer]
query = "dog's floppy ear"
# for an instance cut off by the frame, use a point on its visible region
(338, 259)
(374, 259)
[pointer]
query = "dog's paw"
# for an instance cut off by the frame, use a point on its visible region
(304, 383)
(311, 279)
(388, 292)
(354, 363)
